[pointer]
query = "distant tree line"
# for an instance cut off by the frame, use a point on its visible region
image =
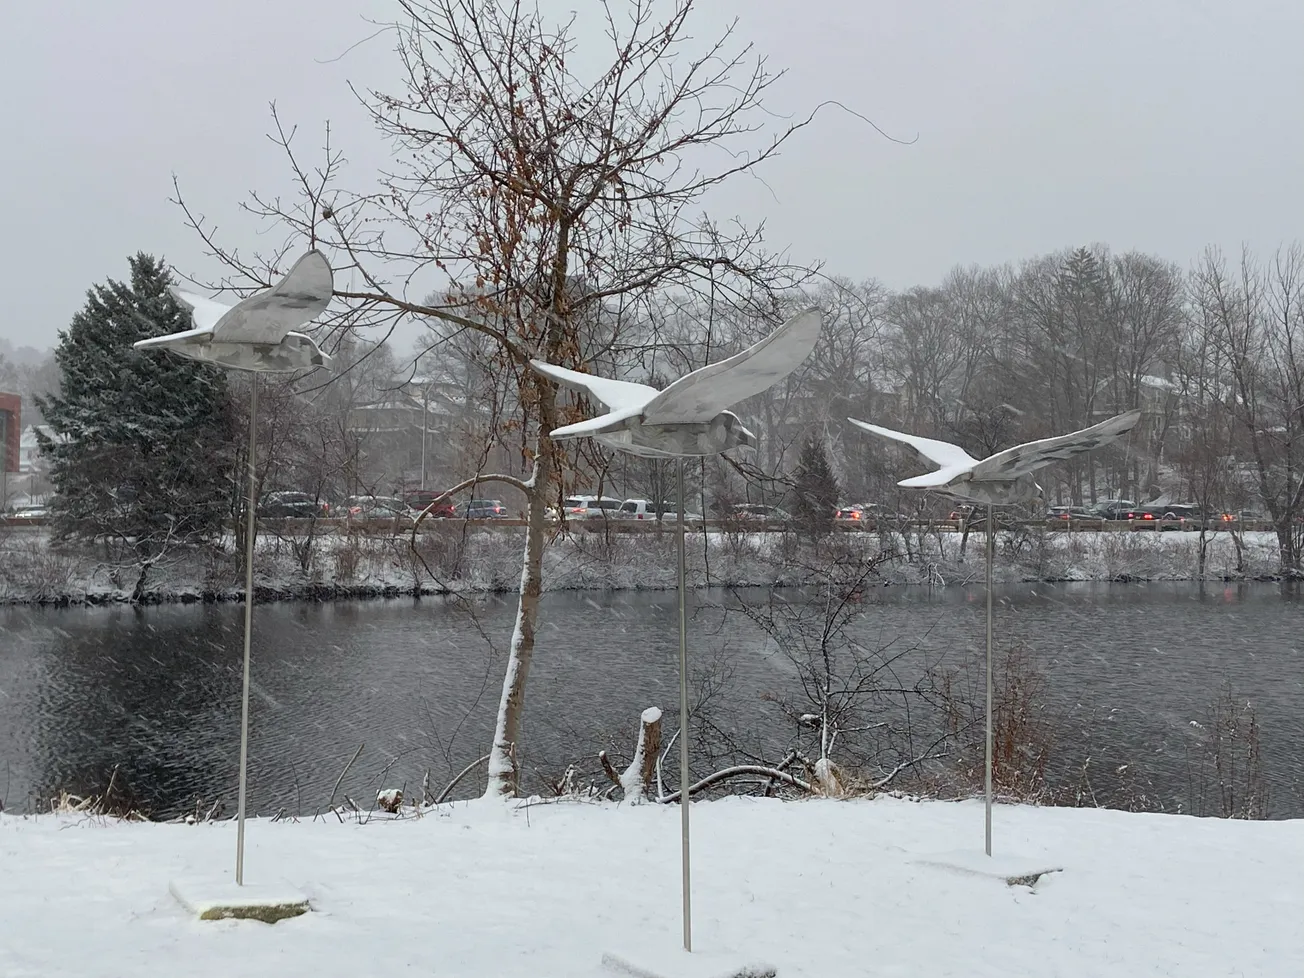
(1213, 356)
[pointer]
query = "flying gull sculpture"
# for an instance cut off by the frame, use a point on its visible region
(1005, 477)
(691, 416)
(257, 333)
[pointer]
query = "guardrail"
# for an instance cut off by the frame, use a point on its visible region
(441, 525)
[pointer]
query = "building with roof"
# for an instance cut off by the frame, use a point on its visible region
(11, 426)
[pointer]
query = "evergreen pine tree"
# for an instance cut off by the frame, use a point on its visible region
(141, 448)
(815, 488)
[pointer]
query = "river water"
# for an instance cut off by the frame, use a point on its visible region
(149, 698)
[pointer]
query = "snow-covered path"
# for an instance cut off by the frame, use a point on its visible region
(817, 888)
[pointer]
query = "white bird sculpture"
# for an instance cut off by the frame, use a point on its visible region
(257, 333)
(1005, 477)
(689, 417)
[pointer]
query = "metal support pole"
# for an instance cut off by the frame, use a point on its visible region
(250, 529)
(987, 759)
(683, 724)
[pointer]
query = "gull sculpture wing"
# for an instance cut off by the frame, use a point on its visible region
(952, 459)
(625, 400)
(204, 313)
(615, 394)
(701, 395)
(1023, 459)
(266, 317)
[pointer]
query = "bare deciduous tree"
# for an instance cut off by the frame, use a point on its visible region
(532, 197)
(1253, 316)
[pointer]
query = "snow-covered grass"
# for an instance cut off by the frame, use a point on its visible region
(480, 560)
(820, 889)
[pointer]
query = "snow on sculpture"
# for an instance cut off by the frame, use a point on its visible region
(258, 333)
(1006, 477)
(690, 417)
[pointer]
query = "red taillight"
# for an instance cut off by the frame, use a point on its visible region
(576, 509)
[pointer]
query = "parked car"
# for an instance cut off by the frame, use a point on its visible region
(292, 506)
(1182, 515)
(418, 499)
(759, 513)
(376, 508)
(1245, 516)
(588, 508)
(1071, 513)
(859, 513)
(481, 509)
(1113, 509)
(867, 513)
(32, 512)
(645, 509)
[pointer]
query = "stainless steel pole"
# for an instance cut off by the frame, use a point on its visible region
(250, 529)
(987, 760)
(683, 724)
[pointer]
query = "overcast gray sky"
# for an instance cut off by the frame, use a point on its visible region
(1161, 125)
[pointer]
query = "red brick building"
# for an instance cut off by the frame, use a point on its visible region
(11, 429)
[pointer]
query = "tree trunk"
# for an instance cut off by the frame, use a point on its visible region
(504, 769)
(138, 591)
(504, 763)
(1286, 548)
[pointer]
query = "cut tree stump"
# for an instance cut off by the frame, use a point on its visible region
(649, 737)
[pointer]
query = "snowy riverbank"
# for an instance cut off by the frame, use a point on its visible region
(817, 888)
(479, 561)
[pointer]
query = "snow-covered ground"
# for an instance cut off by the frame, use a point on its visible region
(820, 889)
(342, 566)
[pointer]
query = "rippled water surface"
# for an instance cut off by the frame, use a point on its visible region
(155, 692)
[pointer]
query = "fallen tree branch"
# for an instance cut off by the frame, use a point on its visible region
(508, 480)
(610, 771)
(340, 779)
(460, 775)
(783, 765)
(883, 781)
(737, 771)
